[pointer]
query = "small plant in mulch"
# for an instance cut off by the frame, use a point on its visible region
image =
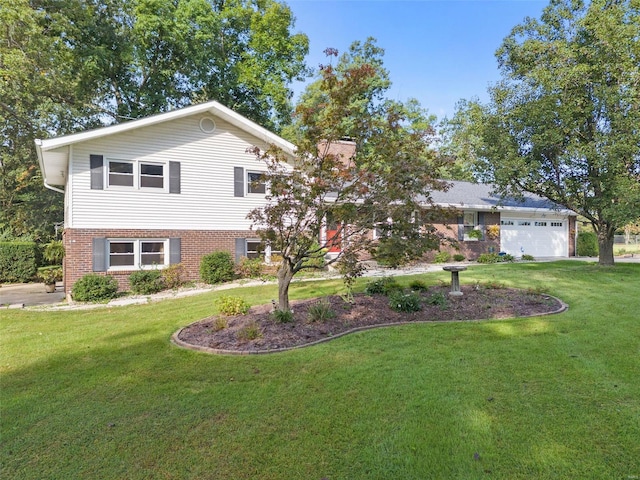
(439, 299)
(384, 286)
(418, 286)
(220, 323)
(282, 316)
(405, 302)
(320, 311)
(249, 332)
(493, 285)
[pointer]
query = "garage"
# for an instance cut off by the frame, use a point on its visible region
(540, 236)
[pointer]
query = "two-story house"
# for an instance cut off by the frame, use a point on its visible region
(175, 186)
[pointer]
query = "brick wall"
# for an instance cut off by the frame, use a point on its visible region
(194, 245)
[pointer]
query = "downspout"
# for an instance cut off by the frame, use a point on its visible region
(41, 163)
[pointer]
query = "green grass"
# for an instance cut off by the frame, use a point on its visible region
(101, 394)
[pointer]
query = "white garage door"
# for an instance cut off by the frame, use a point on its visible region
(537, 236)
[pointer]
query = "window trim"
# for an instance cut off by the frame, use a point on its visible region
(137, 254)
(137, 175)
(248, 182)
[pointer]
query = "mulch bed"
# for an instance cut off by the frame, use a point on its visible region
(366, 311)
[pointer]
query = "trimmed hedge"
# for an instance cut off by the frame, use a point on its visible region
(217, 267)
(587, 244)
(94, 288)
(18, 261)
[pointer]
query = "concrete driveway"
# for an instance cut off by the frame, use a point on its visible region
(28, 294)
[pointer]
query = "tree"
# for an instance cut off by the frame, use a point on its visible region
(564, 122)
(382, 183)
(68, 66)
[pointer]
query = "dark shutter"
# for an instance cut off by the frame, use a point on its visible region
(241, 248)
(96, 163)
(175, 250)
(174, 177)
(238, 182)
(99, 254)
(460, 228)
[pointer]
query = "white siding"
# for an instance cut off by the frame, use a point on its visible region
(207, 161)
(537, 240)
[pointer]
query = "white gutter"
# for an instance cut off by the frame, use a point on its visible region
(41, 163)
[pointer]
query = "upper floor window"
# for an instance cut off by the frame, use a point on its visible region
(256, 183)
(122, 173)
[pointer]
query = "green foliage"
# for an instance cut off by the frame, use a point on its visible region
(507, 258)
(488, 258)
(438, 299)
(384, 286)
(50, 275)
(220, 323)
(316, 259)
(405, 302)
(458, 257)
(249, 332)
(528, 258)
(173, 275)
(477, 234)
(54, 252)
(94, 288)
(442, 257)
(587, 244)
(217, 267)
(18, 261)
(376, 180)
(249, 267)
(418, 286)
(493, 285)
(146, 282)
(562, 122)
(320, 311)
(282, 316)
(231, 305)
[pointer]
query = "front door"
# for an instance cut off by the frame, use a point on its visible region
(334, 237)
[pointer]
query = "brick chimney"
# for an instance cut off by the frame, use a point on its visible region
(345, 150)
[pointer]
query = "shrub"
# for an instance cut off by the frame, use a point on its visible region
(493, 285)
(229, 305)
(216, 267)
(173, 275)
(50, 275)
(320, 312)
(249, 267)
(384, 285)
(438, 299)
(587, 244)
(405, 302)
(249, 332)
(18, 261)
(506, 258)
(94, 288)
(418, 286)
(146, 282)
(54, 252)
(282, 316)
(458, 257)
(528, 258)
(487, 258)
(442, 257)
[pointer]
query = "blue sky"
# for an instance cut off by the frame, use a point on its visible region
(438, 51)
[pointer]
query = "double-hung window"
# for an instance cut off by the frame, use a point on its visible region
(136, 174)
(126, 254)
(256, 183)
(471, 226)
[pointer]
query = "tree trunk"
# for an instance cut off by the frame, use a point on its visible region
(285, 274)
(605, 246)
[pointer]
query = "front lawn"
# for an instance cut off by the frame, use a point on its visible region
(102, 394)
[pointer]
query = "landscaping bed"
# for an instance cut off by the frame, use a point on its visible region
(259, 332)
